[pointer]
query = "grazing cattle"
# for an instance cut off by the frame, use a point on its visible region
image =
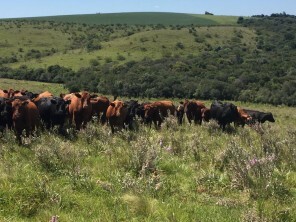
(116, 115)
(99, 106)
(193, 111)
(243, 117)
(80, 109)
(5, 114)
(260, 117)
(52, 111)
(224, 113)
(156, 111)
(25, 116)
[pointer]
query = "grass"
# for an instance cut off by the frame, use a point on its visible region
(143, 18)
(152, 44)
(178, 173)
(31, 86)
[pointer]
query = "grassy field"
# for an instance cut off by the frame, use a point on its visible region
(143, 18)
(37, 87)
(178, 173)
(152, 44)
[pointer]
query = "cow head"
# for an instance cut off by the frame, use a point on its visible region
(150, 110)
(60, 106)
(85, 99)
(268, 117)
(18, 108)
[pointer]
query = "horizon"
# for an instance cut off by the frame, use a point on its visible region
(34, 8)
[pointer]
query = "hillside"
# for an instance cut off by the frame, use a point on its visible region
(141, 18)
(253, 60)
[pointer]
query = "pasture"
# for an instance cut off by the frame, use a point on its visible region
(142, 18)
(177, 173)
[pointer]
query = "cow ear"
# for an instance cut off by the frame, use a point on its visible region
(5, 91)
(112, 104)
(77, 95)
(53, 101)
(62, 95)
(181, 102)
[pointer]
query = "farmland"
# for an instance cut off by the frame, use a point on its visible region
(176, 173)
(181, 173)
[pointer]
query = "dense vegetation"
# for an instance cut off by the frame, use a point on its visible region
(252, 61)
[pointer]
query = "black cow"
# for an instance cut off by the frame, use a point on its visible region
(5, 114)
(52, 111)
(132, 107)
(224, 113)
(140, 112)
(260, 117)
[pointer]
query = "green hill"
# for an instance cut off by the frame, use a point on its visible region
(142, 18)
(253, 60)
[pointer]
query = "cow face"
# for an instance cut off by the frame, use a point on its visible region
(60, 106)
(268, 117)
(85, 100)
(18, 109)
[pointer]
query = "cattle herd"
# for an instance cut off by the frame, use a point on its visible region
(21, 110)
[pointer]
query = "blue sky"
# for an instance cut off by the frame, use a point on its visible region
(31, 8)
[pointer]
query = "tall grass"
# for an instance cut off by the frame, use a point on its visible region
(176, 173)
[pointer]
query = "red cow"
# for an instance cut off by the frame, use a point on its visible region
(100, 105)
(4, 93)
(25, 116)
(45, 94)
(193, 111)
(243, 117)
(116, 114)
(80, 109)
(156, 111)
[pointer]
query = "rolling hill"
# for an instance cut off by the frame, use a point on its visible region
(180, 55)
(142, 18)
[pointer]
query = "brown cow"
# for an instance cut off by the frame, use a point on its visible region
(80, 109)
(193, 110)
(100, 105)
(45, 94)
(156, 111)
(243, 117)
(4, 93)
(116, 114)
(25, 116)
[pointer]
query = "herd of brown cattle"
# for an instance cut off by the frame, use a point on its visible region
(26, 111)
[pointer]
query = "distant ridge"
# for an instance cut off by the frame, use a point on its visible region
(141, 18)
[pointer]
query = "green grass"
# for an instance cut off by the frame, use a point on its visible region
(31, 86)
(178, 173)
(143, 18)
(152, 44)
